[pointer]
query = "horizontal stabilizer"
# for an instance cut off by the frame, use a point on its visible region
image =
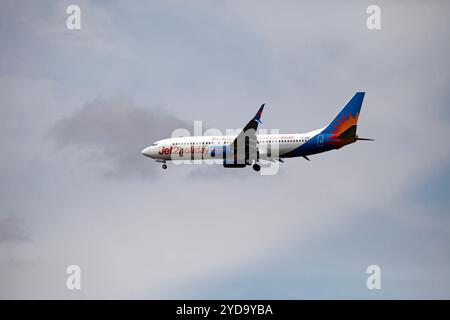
(365, 139)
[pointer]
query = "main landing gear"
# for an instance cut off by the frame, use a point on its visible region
(256, 167)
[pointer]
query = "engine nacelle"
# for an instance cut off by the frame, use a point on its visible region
(235, 162)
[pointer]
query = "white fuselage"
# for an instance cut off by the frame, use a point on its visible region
(212, 147)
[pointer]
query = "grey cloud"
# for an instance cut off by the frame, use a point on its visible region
(11, 229)
(115, 130)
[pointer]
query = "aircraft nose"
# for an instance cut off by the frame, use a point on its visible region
(147, 152)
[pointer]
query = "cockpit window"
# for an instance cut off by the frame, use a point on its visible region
(155, 143)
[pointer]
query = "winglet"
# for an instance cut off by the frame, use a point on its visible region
(257, 116)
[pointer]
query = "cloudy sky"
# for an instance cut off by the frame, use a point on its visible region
(78, 106)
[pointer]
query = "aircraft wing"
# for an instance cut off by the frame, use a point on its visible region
(245, 146)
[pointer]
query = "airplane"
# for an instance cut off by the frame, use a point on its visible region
(248, 148)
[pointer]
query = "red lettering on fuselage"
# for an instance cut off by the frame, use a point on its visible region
(181, 150)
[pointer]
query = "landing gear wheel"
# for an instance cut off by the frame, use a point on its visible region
(256, 167)
(164, 166)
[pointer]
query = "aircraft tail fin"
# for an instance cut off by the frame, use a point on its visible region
(345, 123)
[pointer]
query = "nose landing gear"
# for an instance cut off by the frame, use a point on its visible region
(256, 167)
(164, 166)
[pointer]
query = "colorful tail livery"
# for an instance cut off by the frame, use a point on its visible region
(248, 147)
(345, 124)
